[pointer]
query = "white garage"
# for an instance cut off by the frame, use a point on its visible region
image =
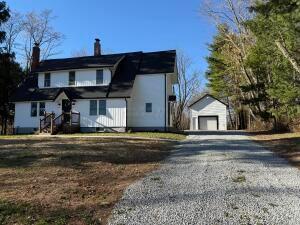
(208, 113)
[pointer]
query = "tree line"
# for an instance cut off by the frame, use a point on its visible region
(18, 34)
(254, 61)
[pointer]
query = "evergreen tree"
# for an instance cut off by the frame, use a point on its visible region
(4, 16)
(10, 74)
(275, 55)
(271, 92)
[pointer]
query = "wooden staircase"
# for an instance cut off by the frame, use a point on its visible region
(65, 123)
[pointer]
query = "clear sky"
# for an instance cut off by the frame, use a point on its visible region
(128, 25)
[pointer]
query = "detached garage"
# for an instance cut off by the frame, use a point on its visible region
(208, 113)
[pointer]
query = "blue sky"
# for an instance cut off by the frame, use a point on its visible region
(131, 25)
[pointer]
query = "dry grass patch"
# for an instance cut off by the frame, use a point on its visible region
(157, 135)
(286, 145)
(70, 180)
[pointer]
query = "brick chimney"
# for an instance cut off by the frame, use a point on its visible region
(35, 60)
(97, 47)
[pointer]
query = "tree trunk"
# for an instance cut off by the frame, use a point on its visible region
(5, 126)
(288, 56)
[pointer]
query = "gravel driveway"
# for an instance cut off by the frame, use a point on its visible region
(215, 178)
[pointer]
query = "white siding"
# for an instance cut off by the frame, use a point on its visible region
(115, 114)
(147, 89)
(208, 106)
(115, 117)
(23, 114)
(82, 78)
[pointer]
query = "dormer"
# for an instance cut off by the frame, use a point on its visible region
(75, 78)
(96, 70)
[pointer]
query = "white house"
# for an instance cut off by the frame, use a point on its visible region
(208, 113)
(114, 92)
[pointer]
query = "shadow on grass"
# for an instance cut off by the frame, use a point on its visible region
(24, 213)
(77, 153)
(288, 148)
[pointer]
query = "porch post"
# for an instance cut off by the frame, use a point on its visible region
(51, 123)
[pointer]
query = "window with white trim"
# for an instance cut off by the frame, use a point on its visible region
(47, 80)
(99, 77)
(93, 107)
(71, 78)
(33, 110)
(42, 108)
(102, 107)
(148, 107)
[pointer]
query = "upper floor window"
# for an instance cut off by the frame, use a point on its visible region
(93, 107)
(99, 77)
(47, 80)
(71, 78)
(42, 108)
(33, 111)
(102, 107)
(148, 107)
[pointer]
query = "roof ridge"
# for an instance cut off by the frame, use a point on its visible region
(202, 97)
(92, 56)
(114, 54)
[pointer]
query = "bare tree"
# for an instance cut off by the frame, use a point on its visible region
(13, 28)
(38, 29)
(80, 52)
(188, 86)
(230, 17)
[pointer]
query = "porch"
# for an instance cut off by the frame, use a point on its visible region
(67, 122)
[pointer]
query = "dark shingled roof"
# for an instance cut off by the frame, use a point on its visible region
(125, 67)
(158, 62)
(78, 63)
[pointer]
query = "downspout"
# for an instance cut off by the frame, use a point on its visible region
(126, 126)
(165, 102)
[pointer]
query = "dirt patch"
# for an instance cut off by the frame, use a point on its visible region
(286, 145)
(70, 181)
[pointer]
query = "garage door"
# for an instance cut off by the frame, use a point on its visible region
(208, 123)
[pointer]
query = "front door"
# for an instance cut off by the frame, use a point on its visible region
(66, 109)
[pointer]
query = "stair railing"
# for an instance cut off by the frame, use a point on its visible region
(55, 124)
(46, 122)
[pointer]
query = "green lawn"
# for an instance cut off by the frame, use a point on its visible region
(160, 135)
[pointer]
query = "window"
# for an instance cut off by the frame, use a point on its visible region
(93, 107)
(102, 107)
(42, 108)
(47, 80)
(148, 107)
(72, 78)
(99, 77)
(33, 111)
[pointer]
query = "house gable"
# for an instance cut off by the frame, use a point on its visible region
(203, 97)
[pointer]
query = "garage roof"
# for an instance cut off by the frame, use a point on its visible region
(203, 96)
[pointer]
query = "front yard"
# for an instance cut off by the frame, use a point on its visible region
(70, 180)
(286, 145)
(148, 135)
